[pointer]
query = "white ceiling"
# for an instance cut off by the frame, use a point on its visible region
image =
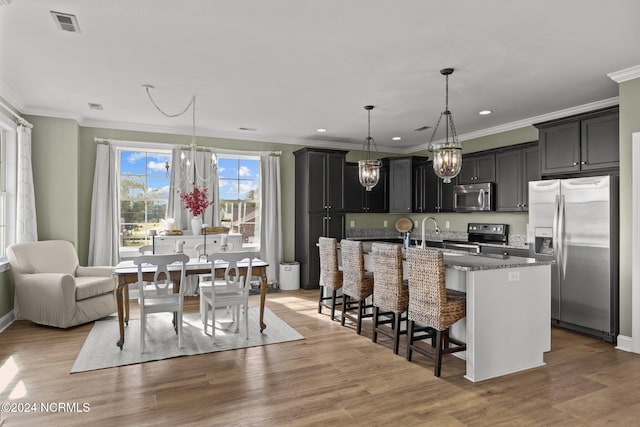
(288, 67)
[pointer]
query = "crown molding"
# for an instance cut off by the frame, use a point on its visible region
(626, 74)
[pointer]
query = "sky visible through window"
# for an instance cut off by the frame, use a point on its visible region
(239, 178)
(151, 170)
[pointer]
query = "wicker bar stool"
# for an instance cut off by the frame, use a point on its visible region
(433, 305)
(330, 276)
(390, 292)
(357, 284)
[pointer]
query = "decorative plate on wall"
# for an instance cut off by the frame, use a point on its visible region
(404, 224)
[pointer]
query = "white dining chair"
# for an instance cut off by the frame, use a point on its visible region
(157, 296)
(232, 291)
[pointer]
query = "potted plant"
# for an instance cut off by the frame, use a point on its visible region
(196, 201)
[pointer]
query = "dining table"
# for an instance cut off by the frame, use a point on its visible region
(127, 273)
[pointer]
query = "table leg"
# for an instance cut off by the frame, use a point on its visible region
(120, 292)
(263, 297)
(126, 304)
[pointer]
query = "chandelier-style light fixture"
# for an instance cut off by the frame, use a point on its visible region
(447, 155)
(369, 170)
(187, 161)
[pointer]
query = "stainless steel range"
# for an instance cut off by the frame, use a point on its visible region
(497, 234)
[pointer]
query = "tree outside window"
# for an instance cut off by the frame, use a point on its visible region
(239, 186)
(144, 194)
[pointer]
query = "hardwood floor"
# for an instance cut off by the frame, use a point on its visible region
(332, 376)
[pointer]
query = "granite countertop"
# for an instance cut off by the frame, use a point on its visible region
(466, 261)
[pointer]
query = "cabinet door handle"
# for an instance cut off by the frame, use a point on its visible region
(575, 163)
(583, 163)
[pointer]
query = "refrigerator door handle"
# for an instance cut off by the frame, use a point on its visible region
(556, 234)
(563, 238)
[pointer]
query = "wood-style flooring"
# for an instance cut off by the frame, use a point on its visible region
(331, 377)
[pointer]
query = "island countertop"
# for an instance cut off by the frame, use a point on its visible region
(466, 261)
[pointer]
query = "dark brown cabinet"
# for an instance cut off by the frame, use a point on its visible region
(580, 144)
(319, 207)
(437, 196)
(402, 183)
(357, 199)
(480, 167)
(515, 167)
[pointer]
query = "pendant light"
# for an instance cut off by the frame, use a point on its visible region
(447, 156)
(369, 170)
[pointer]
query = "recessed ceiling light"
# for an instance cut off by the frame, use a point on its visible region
(396, 138)
(485, 112)
(95, 106)
(321, 130)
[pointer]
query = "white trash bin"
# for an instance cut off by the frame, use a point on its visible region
(289, 276)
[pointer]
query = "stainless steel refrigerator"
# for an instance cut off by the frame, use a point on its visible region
(575, 223)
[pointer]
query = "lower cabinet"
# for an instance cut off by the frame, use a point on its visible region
(318, 225)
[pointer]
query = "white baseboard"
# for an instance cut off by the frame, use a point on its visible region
(625, 343)
(6, 320)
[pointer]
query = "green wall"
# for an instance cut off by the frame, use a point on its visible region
(629, 123)
(54, 145)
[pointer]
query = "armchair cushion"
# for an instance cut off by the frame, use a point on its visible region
(52, 289)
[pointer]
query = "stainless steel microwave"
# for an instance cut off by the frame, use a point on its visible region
(473, 197)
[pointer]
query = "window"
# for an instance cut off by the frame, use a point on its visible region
(239, 186)
(144, 193)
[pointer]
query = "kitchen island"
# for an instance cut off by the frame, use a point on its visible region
(507, 326)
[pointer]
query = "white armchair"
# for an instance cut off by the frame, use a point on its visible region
(51, 288)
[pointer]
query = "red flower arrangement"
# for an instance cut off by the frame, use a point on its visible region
(197, 200)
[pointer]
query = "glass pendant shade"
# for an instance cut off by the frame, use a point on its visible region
(447, 156)
(369, 173)
(369, 170)
(447, 162)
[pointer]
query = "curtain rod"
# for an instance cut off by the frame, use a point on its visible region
(19, 119)
(199, 148)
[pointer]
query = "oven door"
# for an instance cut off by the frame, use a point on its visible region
(473, 197)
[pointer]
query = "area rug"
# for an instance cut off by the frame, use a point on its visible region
(100, 351)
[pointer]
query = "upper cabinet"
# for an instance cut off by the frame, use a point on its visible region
(402, 183)
(477, 167)
(583, 143)
(437, 196)
(515, 167)
(357, 199)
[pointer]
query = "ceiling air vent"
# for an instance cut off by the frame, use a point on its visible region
(66, 22)
(420, 129)
(95, 106)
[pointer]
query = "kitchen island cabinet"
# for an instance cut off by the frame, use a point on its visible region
(507, 326)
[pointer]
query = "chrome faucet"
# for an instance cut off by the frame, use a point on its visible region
(424, 234)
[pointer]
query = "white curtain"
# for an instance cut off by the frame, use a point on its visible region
(203, 176)
(26, 225)
(103, 240)
(271, 227)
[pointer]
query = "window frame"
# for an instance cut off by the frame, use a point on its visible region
(135, 147)
(257, 244)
